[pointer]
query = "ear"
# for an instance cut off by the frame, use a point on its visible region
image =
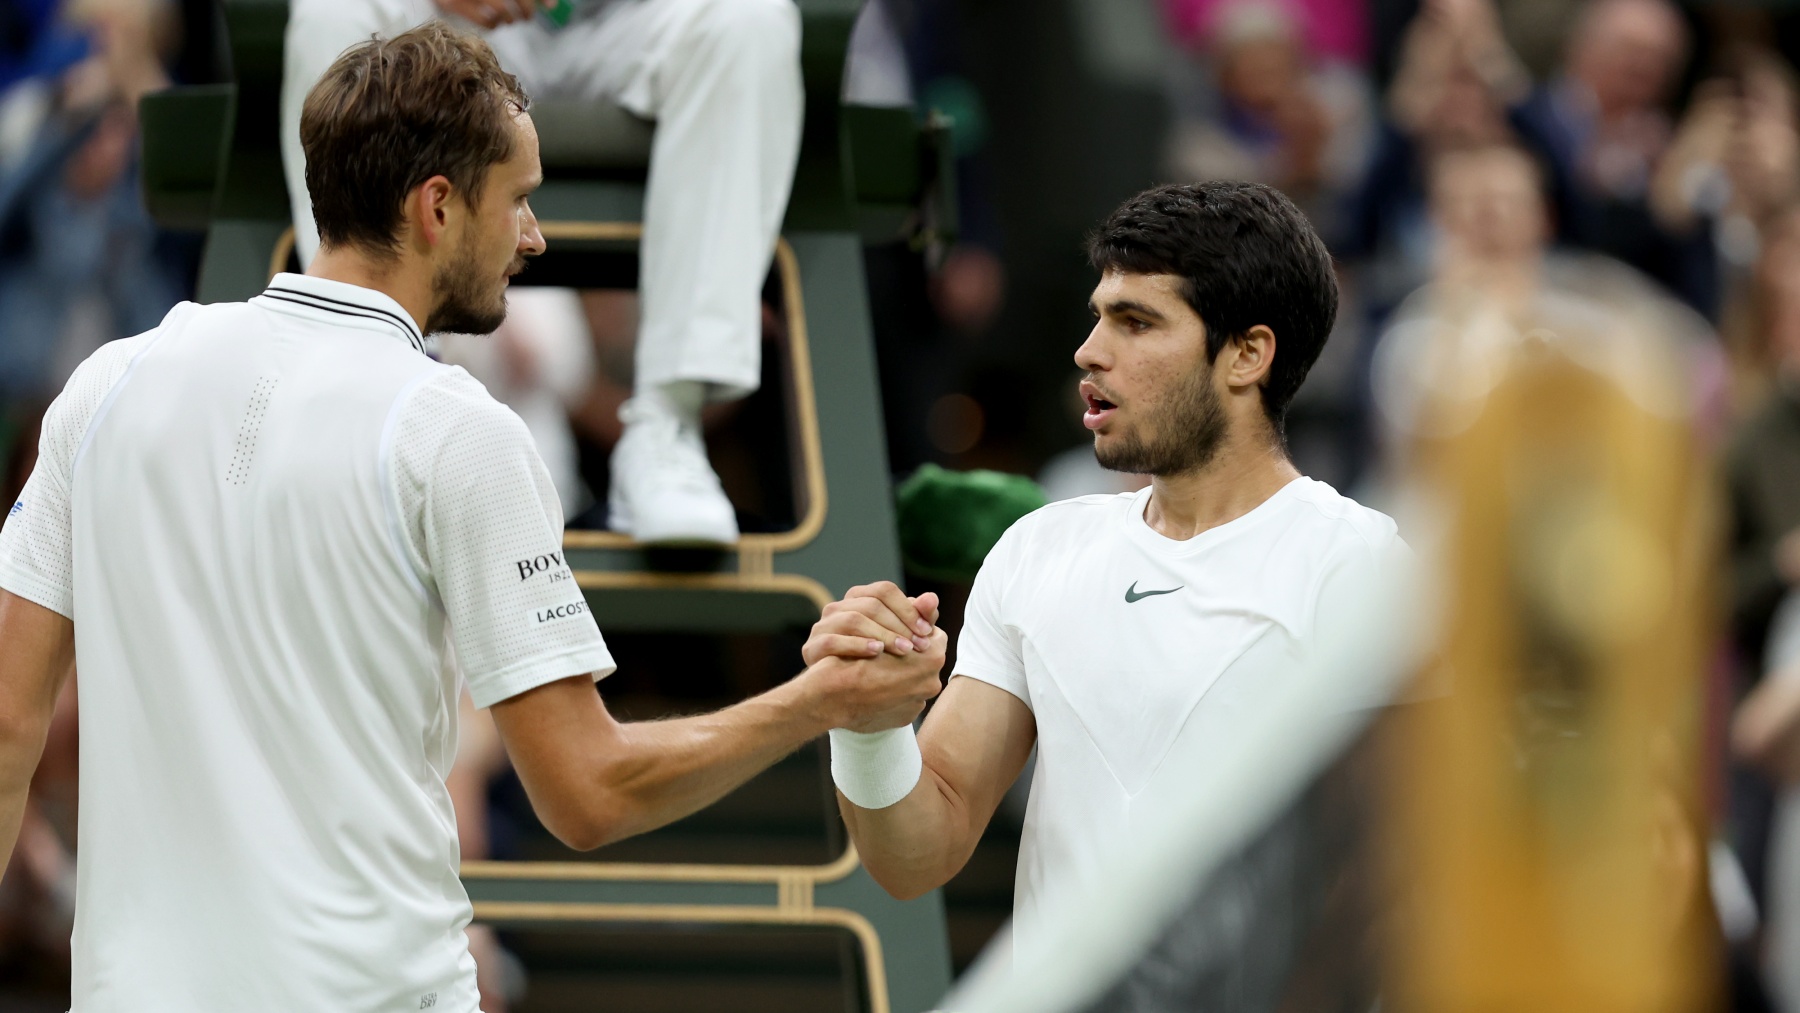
(433, 210)
(1252, 355)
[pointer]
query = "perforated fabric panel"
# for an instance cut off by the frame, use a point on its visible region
(482, 522)
(36, 550)
(244, 452)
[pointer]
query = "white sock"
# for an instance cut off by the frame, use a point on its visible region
(680, 400)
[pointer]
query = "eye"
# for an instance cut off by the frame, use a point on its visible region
(1137, 325)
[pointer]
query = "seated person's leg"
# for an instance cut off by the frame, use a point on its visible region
(721, 78)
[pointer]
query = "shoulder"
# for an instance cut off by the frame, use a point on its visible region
(1067, 515)
(444, 401)
(1060, 524)
(446, 414)
(114, 357)
(1343, 521)
(86, 391)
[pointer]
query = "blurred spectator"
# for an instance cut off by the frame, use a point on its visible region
(1334, 29)
(1735, 158)
(1603, 119)
(35, 42)
(1489, 206)
(1450, 91)
(1732, 171)
(1602, 127)
(1496, 283)
(1763, 473)
(1763, 462)
(1766, 733)
(1272, 112)
(81, 262)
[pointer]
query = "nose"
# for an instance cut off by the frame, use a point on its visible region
(1091, 356)
(531, 239)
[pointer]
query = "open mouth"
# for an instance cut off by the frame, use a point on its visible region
(1099, 410)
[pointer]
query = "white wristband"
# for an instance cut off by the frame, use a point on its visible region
(875, 769)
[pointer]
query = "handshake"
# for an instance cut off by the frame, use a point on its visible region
(873, 659)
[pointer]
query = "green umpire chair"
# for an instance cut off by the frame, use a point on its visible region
(211, 160)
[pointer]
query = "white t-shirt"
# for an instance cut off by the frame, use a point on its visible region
(281, 531)
(1125, 643)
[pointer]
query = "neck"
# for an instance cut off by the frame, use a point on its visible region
(405, 283)
(1240, 477)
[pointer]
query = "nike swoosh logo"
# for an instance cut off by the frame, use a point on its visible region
(1134, 594)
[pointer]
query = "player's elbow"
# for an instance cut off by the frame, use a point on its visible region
(907, 889)
(576, 835)
(904, 882)
(582, 831)
(584, 823)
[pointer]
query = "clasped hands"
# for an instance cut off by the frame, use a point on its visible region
(876, 656)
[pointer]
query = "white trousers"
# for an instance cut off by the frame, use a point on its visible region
(721, 78)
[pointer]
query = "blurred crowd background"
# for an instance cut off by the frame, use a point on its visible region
(1543, 159)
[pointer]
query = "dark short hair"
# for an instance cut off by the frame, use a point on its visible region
(1246, 256)
(392, 113)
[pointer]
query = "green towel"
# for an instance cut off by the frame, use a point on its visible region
(950, 519)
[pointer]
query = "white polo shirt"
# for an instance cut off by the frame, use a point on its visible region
(284, 534)
(1130, 648)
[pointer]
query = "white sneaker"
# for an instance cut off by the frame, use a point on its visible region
(664, 491)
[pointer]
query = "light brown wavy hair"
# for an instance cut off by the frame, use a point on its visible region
(390, 114)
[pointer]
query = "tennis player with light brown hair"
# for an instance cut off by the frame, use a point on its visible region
(279, 537)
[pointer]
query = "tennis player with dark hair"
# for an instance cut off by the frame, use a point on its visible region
(1112, 631)
(279, 537)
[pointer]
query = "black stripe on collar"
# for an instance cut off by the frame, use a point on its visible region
(348, 309)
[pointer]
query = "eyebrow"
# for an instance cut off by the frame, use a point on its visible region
(1127, 306)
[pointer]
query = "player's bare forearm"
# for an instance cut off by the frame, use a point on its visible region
(594, 780)
(974, 745)
(666, 770)
(37, 653)
(917, 844)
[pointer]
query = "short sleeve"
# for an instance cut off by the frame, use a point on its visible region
(988, 649)
(37, 542)
(1367, 616)
(484, 519)
(35, 546)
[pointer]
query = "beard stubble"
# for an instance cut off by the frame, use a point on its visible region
(1188, 434)
(466, 304)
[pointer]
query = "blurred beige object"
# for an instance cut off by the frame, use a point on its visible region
(1550, 853)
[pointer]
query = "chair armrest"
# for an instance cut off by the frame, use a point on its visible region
(186, 137)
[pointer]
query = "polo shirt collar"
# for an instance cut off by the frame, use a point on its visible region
(341, 303)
